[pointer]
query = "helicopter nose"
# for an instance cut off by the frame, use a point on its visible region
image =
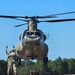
(32, 39)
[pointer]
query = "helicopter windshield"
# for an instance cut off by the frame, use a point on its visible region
(35, 34)
(23, 34)
(30, 33)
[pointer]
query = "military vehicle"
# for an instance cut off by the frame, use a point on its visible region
(32, 40)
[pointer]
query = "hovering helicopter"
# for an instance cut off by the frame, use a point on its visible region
(32, 40)
(32, 45)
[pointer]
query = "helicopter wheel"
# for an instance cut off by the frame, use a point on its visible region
(45, 60)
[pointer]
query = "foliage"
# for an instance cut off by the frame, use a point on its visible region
(3, 67)
(59, 66)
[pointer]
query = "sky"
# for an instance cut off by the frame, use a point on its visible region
(61, 39)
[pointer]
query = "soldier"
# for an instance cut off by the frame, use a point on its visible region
(12, 60)
(33, 71)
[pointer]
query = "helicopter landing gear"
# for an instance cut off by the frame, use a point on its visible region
(45, 60)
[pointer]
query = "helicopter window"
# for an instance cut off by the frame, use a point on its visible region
(33, 33)
(27, 33)
(37, 33)
(30, 33)
(23, 40)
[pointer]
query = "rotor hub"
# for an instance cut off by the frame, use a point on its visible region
(32, 25)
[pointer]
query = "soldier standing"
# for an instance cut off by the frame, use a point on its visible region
(12, 60)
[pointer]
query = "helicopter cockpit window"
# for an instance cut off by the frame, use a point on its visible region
(33, 33)
(23, 34)
(37, 33)
(27, 33)
(30, 33)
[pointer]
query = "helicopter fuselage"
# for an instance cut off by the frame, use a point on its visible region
(32, 45)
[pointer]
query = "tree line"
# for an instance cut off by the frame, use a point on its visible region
(58, 66)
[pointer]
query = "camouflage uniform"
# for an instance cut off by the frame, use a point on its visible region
(12, 58)
(33, 72)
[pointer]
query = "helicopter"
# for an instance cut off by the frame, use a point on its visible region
(32, 44)
(32, 40)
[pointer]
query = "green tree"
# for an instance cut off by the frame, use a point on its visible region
(3, 67)
(24, 69)
(71, 66)
(65, 66)
(58, 64)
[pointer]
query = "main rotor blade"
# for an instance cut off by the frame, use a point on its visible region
(52, 16)
(13, 17)
(35, 17)
(63, 13)
(55, 15)
(20, 19)
(5, 16)
(26, 17)
(61, 20)
(20, 24)
(48, 16)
